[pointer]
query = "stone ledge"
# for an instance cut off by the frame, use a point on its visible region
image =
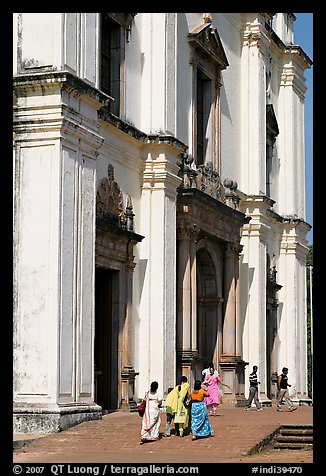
(43, 420)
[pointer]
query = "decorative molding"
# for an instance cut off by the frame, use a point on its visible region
(105, 115)
(187, 231)
(292, 76)
(232, 248)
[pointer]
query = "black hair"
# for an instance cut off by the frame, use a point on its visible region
(154, 386)
(254, 367)
(285, 369)
(182, 380)
(197, 385)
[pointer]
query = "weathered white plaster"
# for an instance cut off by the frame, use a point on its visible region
(63, 147)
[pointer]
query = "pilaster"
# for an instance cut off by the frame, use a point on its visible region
(54, 219)
(157, 359)
(231, 362)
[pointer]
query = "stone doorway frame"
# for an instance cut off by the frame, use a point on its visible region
(115, 240)
(223, 228)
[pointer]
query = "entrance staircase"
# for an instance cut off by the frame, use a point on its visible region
(293, 437)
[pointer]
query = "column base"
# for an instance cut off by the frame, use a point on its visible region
(38, 418)
(128, 376)
(232, 367)
(265, 401)
(190, 364)
(305, 402)
(130, 406)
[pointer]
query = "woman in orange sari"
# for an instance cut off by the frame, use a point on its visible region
(200, 424)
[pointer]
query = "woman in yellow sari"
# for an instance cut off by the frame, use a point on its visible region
(175, 404)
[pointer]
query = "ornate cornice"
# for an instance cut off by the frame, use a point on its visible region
(105, 115)
(30, 82)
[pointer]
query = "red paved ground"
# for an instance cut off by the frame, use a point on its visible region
(115, 439)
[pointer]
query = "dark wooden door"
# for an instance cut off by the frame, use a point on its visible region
(106, 350)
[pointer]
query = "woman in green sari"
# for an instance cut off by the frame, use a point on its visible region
(175, 404)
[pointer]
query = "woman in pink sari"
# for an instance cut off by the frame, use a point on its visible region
(151, 420)
(212, 381)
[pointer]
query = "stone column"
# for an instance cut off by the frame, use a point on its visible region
(186, 300)
(229, 327)
(238, 341)
(231, 362)
(193, 280)
(128, 373)
(184, 289)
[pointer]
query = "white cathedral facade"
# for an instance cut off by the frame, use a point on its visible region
(159, 208)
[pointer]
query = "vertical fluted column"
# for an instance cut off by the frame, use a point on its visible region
(229, 327)
(184, 289)
(126, 337)
(193, 279)
(231, 362)
(238, 343)
(128, 373)
(186, 297)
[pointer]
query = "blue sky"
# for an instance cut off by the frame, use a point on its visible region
(303, 36)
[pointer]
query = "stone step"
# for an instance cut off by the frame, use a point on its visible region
(296, 431)
(293, 438)
(293, 445)
(297, 428)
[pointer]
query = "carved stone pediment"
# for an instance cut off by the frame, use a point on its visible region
(109, 199)
(109, 204)
(205, 39)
